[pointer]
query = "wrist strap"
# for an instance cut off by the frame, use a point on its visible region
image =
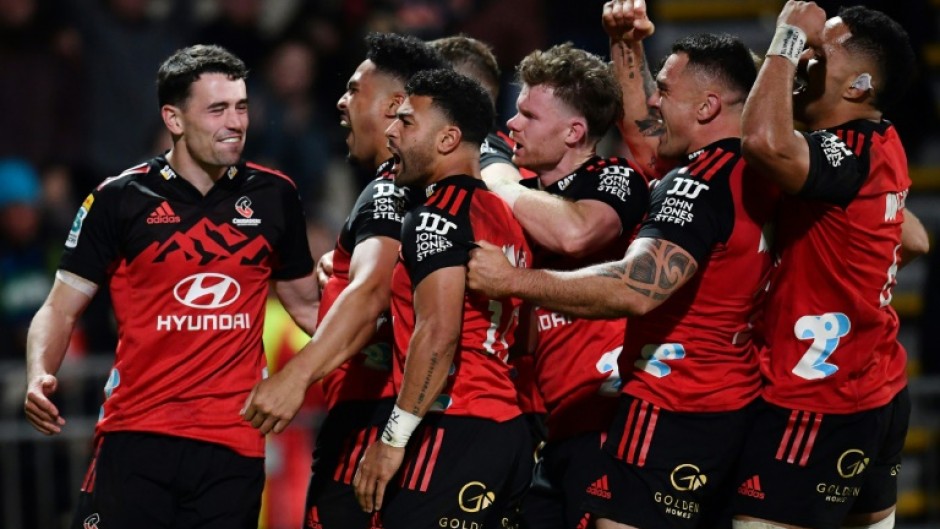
(788, 42)
(399, 427)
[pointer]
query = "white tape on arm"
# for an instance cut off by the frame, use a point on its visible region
(399, 427)
(77, 282)
(788, 42)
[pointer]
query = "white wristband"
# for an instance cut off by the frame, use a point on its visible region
(788, 42)
(399, 427)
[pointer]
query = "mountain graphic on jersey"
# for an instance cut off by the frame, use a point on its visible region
(207, 242)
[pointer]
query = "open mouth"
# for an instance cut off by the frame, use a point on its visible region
(396, 164)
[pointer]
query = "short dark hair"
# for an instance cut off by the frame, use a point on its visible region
(883, 41)
(581, 79)
(401, 56)
(464, 102)
(472, 56)
(723, 57)
(177, 74)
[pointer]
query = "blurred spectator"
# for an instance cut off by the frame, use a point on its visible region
(25, 263)
(286, 125)
(122, 45)
(237, 28)
(40, 117)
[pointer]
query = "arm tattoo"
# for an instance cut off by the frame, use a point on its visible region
(658, 270)
(423, 394)
(612, 270)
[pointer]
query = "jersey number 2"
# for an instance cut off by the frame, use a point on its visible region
(825, 332)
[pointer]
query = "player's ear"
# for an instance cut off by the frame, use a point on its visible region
(577, 131)
(709, 108)
(395, 101)
(449, 139)
(172, 119)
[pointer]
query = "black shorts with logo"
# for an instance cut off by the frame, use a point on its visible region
(564, 473)
(828, 465)
(462, 473)
(349, 428)
(144, 481)
(668, 469)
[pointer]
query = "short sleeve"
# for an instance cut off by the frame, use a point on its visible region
(379, 211)
(835, 174)
(93, 244)
(617, 184)
(292, 251)
(432, 239)
(690, 213)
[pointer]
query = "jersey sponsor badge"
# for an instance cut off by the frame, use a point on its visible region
(615, 181)
(431, 234)
(243, 208)
(76, 228)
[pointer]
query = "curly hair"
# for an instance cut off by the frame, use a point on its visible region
(401, 56)
(177, 74)
(464, 102)
(582, 80)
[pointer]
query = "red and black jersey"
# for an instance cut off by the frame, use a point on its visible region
(189, 278)
(378, 212)
(694, 353)
(576, 359)
(440, 234)
(831, 331)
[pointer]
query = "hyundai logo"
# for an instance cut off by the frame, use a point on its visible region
(207, 291)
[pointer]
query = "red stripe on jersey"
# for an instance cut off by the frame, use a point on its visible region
(718, 165)
(648, 439)
(275, 172)
(794, 450)
(88, 484)
(637, 432)
(817, 422)
(704, 160)
(443, 199)
(419, 460)
(841, 134)
(457, 201)
(438, 440)
(785, 440)
(850, 140)
(362, 441)
(859, 144)
(341, 466)
(625, 435)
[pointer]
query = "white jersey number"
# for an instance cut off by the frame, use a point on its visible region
(825, 332)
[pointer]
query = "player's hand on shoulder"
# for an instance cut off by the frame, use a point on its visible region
(274, 402)
(39, 409)
(489, 271)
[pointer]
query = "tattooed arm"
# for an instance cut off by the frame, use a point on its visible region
(649, 273)
(627, 24)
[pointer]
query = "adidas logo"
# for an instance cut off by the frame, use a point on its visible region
(164, 214)
(600, 489)
(751, 488)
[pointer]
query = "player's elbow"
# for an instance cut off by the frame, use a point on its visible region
(577, 242)
(770, 156)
